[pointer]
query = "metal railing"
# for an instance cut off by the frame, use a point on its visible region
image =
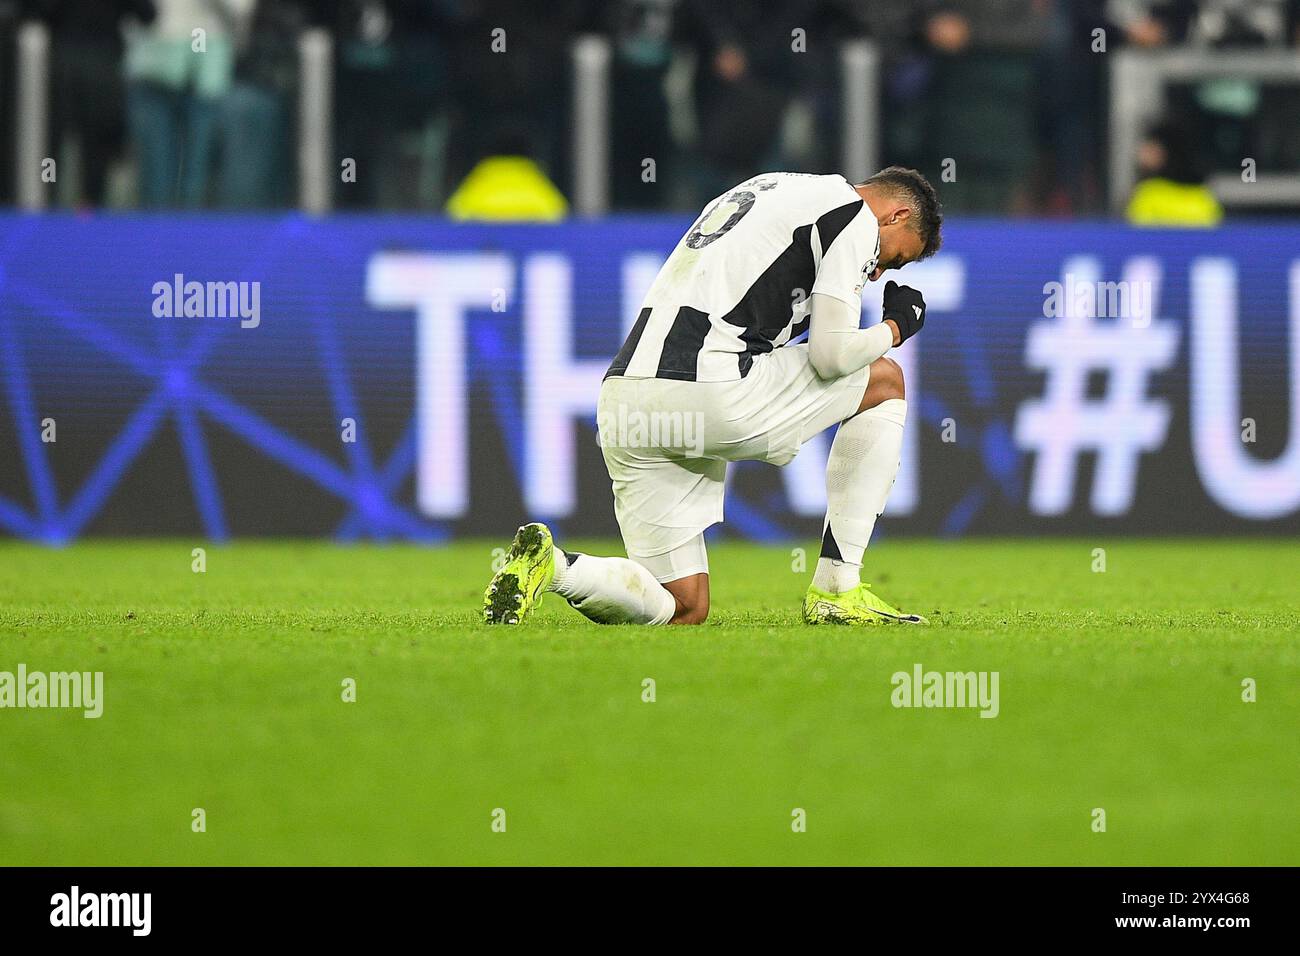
(318, 167)
(860, 123)
(317, 172)
(592, 58)
(591, 104)
(1138, 80)
(31, 114)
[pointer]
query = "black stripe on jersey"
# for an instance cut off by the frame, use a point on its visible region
(798, 329)
(832, 223)
(766, 307)
(624, 356)
(755, 344)
(681, 355)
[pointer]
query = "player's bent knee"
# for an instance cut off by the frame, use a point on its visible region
(692, 616)
(692, 596)
(890, 379)
(885, 383)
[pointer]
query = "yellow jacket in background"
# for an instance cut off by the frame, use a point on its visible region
(1163, 202)
(507, 189)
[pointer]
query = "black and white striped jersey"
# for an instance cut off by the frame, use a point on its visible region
(738, 283)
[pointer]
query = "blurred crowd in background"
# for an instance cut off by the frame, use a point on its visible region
(712, 90)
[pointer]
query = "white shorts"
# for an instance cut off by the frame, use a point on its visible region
(681, 562)
(667, 443)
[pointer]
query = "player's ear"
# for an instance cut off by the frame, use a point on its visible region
(900, 215)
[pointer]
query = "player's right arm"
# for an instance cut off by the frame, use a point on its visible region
(850, 247)
(837, 347)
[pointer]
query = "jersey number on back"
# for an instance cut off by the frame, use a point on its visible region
(742, 199)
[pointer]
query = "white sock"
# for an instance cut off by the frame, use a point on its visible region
(612, 590)
(836, 577)
(859, 475)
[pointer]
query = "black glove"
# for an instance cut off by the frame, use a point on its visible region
(906, 307)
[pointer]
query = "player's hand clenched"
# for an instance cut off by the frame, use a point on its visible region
(905, 308)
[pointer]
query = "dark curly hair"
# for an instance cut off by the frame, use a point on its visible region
(915, 190)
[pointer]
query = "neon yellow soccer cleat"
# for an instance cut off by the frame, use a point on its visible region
(857, 607)
(517, 589)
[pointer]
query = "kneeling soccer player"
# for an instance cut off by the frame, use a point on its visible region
(708, 376)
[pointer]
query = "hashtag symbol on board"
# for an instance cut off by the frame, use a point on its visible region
(1066, 422)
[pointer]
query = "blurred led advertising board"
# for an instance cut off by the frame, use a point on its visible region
(399, 377)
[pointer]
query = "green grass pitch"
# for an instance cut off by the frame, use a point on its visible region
(1119, 690)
